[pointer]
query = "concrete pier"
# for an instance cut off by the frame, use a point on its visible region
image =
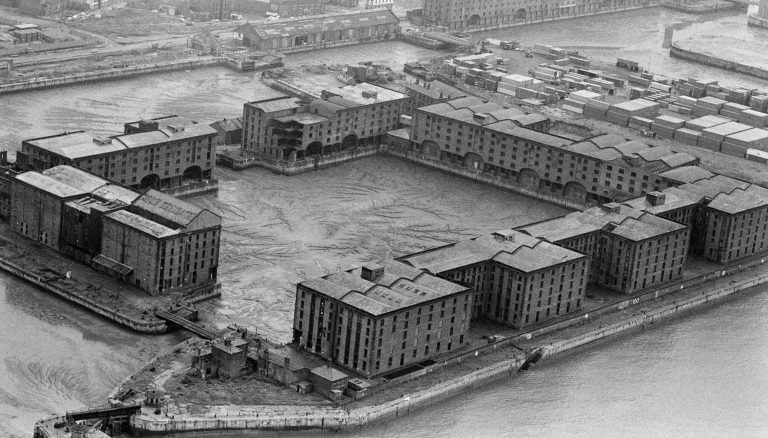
(751, 59)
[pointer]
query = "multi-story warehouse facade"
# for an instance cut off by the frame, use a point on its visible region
(284, 128)
(727, 216)
(152, 240)
(460, 14)
(168, 243)
(518, 280)
(630, 250)
(165, 152)
(310, 33)
(378, 319)
(40, 202)
(504, 143)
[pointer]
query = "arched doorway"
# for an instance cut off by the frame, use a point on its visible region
(430, 148)
(520, 14)
(314, 149)
(473, 160)
(474, 20)
(528, 178)
(192, 174)
(349, 142)
(151, 181)
(575, 190)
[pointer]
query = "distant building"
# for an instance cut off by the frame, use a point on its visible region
(373, 4)
(87, 5)
(228, 131)
(226, 358)
(152, 240)
(518, 280)
(298, 8)
(215, 9)
(158, 153)
(310, 33)
(345, 3)
(460, 14)
(378, 319)
(630, 250)
(286, 128)
(507, 143)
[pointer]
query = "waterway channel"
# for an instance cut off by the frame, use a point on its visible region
(705, 376)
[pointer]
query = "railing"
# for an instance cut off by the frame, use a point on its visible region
(186, 324)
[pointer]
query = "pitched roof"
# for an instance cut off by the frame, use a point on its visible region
(400, 286)
(168, 207)
(509, 247)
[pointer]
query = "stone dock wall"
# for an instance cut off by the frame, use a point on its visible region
(491, 180)
(117, 73)
(338, 419)
(639, 322)
(139, 325)
(678, 52)
(754, 20)
(297, 167)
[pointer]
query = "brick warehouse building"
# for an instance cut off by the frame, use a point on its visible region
(518, 280)
(286, 128)
(378, 319)
(729, 217)
(159, 153)
(328, 30)
(505, 143)
(630, 250)
(152, 240)
(459, 14)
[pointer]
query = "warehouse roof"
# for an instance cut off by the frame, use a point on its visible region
(509, 247)
(361, 94)
(66, 181)
(740, 200)
(168, 207)
(75, 177)
(49, 185)
(621, 220)
(75, 145)
(674, 198)
(275, 105)
(687, 174)
(436, 90)
(303, 26)
(610, 147)
(399, 287)
(141, 224)
(713, 186)
(79, 145)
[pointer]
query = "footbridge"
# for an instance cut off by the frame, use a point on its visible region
(185, 324)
